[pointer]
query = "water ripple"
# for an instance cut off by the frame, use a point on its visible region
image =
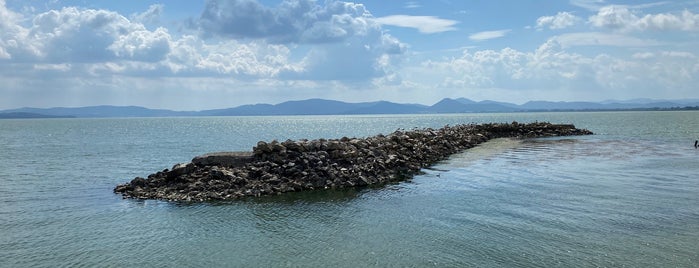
(625, 197)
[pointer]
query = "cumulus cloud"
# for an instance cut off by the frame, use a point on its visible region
(255, 60)
(77, 35)
(324, 48)
(351, 60)
(88, 42)
(346, 42)
(602, 39)
(424, 24)
(510, 68)
(551, 67)
(560, 21)
(487, 35)
(624, 19)
(142, 45)
(11, 33)
(614, 17)
(292, 21)
(336, 41)
(151, 15)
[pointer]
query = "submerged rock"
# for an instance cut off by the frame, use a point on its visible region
(279, 167)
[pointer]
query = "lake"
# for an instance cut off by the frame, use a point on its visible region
(626, 196)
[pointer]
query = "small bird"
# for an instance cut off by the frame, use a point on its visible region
(696, 144)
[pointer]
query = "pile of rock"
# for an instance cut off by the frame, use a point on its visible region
(278, 167)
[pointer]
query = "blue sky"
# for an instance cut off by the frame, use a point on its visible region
(193, 55)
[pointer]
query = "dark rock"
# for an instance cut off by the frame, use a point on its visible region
(279, 167)
(225, 159)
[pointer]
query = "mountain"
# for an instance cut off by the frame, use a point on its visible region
(462, 105)
(100, 111)
(651, 101)
(561, 105)
(385, 107)
(319, 107)
(316, 107)
(602, 106)
(25, 115)
(332, 107)
(250, 109)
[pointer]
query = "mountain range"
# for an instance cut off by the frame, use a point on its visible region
(333, 107)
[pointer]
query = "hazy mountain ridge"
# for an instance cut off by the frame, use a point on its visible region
(333, 107)
(25, 115)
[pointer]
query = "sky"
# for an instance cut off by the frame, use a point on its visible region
(199, 54)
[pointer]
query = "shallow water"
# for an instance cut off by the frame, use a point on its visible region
(627, 196)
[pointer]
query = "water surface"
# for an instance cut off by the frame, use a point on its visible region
(627, 196)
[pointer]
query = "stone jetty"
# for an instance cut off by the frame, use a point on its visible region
(279, 167)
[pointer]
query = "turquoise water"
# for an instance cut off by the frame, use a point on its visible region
(627, 196)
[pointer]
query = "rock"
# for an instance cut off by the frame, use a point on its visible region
(277, 147)
(295, 146)
(139, 182)
(261, 148)
(279, 167)
(226, 159)
(181, 169)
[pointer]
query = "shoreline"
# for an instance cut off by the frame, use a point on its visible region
(291, 166)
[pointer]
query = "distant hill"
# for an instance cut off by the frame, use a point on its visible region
(100, 111)
(303, 107)
(463, 105)
(588, 106)
(23, 115)
(333, 107)
(385, 107)
(562, 105)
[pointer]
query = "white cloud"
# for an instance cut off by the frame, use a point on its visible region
(679, 54)
(353, 60)
(64, 67)
(151, 15)
(602, 39)
(11, 33)
(346, 42)
(424, 24)
(486, 35)
(102, 43)
(327, 49)
(592, 5)
(643, 55)
(292, 21)
(614, 17)
(551, 70)
(624, 19)
(687, 21)
(560, 21)
(547, 68)
(75, 35)
(244, 59)
(143, 45)
(412, 4)
(96, 44)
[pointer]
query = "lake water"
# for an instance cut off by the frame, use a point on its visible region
(627, 196)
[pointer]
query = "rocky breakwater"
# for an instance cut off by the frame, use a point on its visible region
(279, 167)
